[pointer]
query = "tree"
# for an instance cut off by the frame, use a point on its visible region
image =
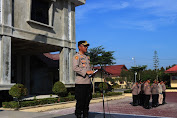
(94, 54)
(138, 69)
(156, 63)
(98, 56)
(18, 91)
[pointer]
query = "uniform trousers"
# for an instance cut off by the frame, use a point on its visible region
(164, 95)
(155, 100)
(160, 98)
(141, 99)
(135, 100)
(83, 96)
(146, 102)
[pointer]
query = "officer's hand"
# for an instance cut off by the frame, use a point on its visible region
(89, 72)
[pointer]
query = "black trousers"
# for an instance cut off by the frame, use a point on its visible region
(83, 96)
(135, 100)
(155, 98)
(146, 102)
(141, 99)
(164, 95)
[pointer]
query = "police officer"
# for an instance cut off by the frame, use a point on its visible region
(81, 65)
(147, 92)
(139, 93)
(142, 98)
(155, 93)
(135, 90)
(163, 92)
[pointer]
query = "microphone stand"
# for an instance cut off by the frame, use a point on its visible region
(102, 91)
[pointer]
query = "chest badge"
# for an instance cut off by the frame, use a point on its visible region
(76, 57)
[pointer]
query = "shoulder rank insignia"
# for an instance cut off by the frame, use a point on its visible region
(76, 57)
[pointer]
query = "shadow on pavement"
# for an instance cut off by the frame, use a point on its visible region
(100, 115)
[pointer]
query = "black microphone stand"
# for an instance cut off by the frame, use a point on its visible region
(102, 91)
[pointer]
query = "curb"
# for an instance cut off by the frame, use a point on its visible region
(48, 107)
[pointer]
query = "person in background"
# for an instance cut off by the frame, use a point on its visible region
(147, 92)
(163, 92)
(139, 93)
(155, 94)
(135, 93)
(142, 94)
(160, 93)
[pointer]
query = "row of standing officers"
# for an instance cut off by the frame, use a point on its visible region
(142, 93)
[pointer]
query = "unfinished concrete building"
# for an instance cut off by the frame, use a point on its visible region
(33, 27)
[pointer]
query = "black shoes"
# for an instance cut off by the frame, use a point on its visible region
(78, 116)
(164, 103)
(148, 107)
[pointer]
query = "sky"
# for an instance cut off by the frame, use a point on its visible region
(131, 28)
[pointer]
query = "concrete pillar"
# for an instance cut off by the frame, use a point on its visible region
(67, 75)
(5, 60)
(64, 66)
(72, 73)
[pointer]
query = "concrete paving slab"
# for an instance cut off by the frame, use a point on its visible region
(18, 114)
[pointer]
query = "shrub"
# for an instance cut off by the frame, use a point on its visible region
(59, 89)
(14, 104)
(115, 86)
(18, 91)
(128, 91)
(103, 86)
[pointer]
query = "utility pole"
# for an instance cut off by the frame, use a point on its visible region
(133, 58)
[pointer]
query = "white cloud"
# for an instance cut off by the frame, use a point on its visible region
(99, 7)
(142, 14)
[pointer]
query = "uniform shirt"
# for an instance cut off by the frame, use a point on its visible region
(142, 88)
(81, 64)
(154, 88)
(160, 88)
(135, 89)
(147, 89)
(139, 88)
(163, 87)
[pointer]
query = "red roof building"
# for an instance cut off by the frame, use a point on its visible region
(173, 76)
(114, 70)
(172, 70)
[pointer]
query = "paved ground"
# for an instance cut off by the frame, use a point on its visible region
(114, 109)
(123, 108)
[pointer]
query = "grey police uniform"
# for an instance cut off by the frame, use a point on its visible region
(147, 92)
(163, 92)
(135, 90)
(81, 64)
(155, 94)
(83, 94)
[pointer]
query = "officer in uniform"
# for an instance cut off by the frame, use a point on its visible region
(142, 94)
(135, 89)
(163, 92)
(147, 92)
(155, 93)
(83, 94)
